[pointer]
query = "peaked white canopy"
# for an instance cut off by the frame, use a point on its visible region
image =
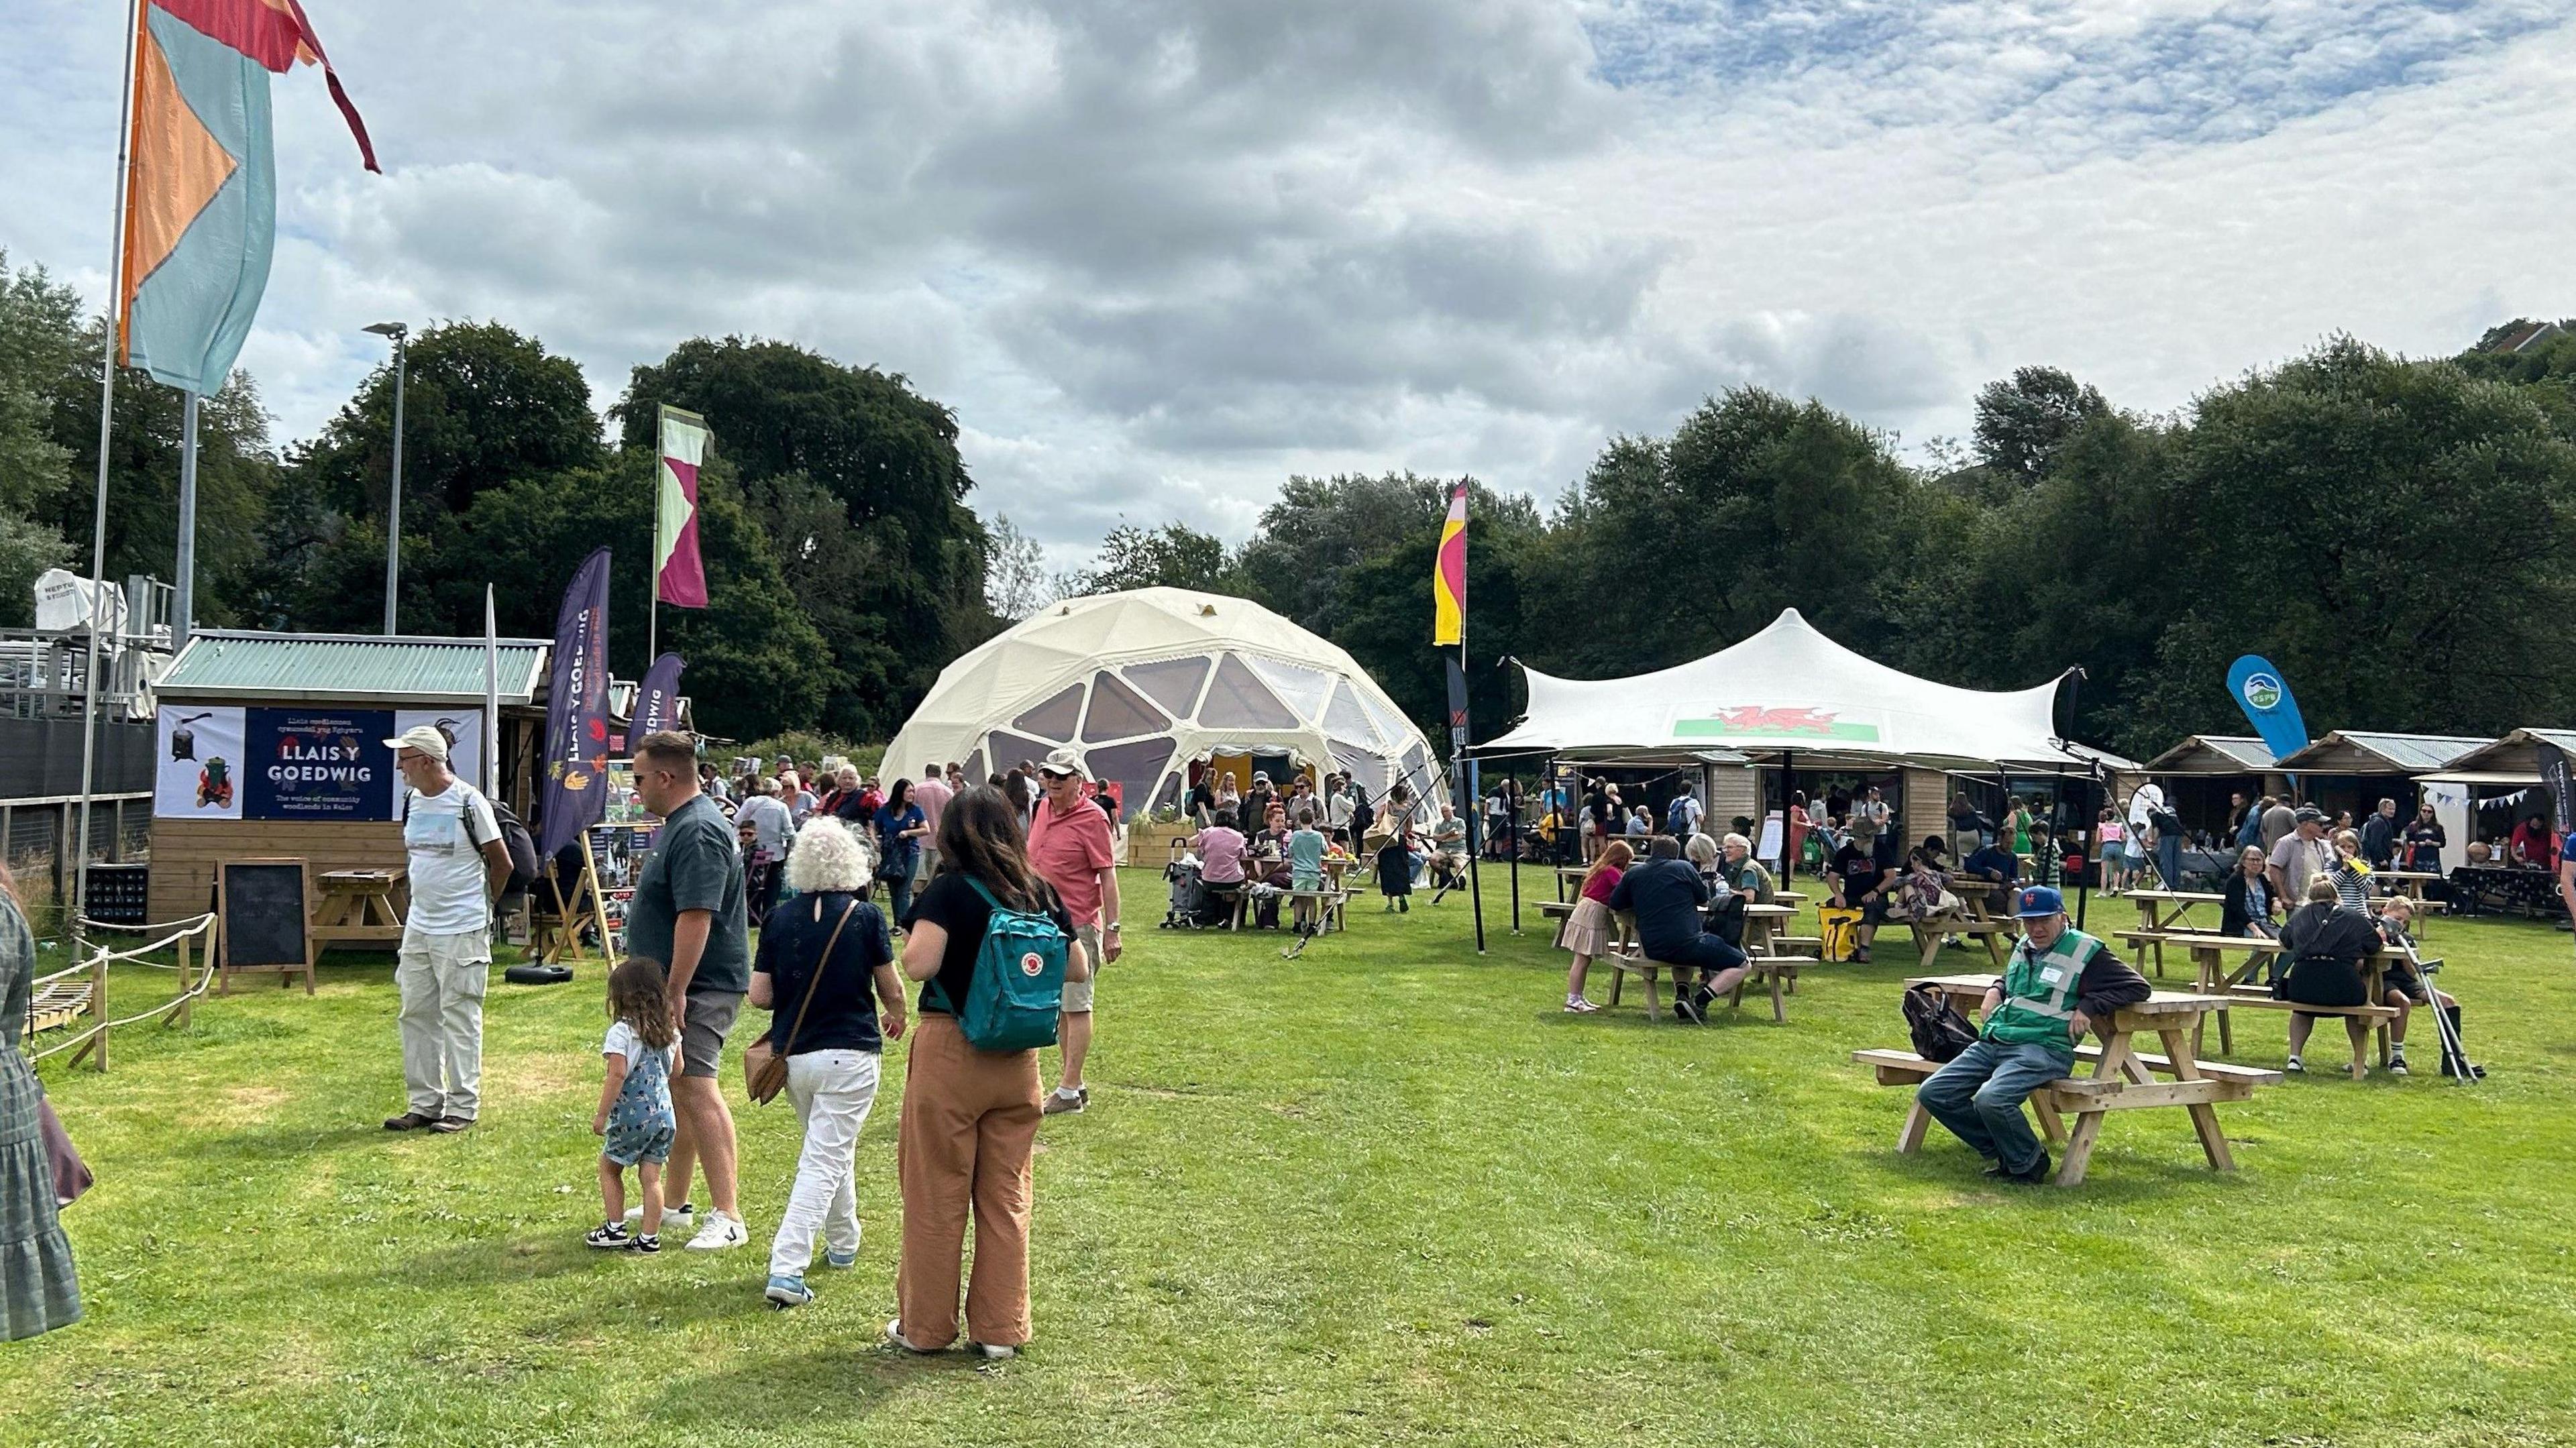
(1790, 688)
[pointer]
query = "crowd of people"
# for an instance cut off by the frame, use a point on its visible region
(1256, 848)
(858, 892)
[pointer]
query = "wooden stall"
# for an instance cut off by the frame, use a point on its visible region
(2201, 772)
(2354, 770)
(271, 746)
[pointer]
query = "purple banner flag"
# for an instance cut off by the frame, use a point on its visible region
(657, 703)
(575, 795)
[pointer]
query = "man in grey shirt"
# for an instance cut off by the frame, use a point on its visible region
(689, 914)
(2299, 856)
(2278, 820)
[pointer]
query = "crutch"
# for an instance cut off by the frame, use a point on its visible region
(2455, 1059)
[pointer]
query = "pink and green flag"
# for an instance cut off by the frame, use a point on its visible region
(679, 574)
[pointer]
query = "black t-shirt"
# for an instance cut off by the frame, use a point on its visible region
(1860, 872)
(952, 904)
(843, 1016)
(1665, 896)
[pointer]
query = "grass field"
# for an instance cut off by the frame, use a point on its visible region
(1386, 1193)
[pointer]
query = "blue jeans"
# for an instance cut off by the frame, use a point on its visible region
(1979, 1095)
(899, 902)
(2169, 860)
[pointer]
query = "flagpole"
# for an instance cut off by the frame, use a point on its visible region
(185, 621)
(653, 599)
(98, 506)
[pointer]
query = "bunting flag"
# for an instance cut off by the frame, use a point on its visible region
(679, 574)
(657, 701)
(1449, 575)
(573, 792)
(201, 180)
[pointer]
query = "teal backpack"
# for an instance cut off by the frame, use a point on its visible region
(1018, 989)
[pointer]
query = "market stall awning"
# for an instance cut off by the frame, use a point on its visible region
(1789, 689)
(2359, 751)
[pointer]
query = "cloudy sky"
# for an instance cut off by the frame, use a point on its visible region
(1158, 255)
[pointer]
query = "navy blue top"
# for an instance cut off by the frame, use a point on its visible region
(1664, 896)
(844, 1014)
(1994, 859)
(895, 850)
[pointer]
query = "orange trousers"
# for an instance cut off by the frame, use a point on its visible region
(970, 1120)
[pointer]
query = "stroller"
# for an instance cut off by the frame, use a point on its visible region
(1188, 907)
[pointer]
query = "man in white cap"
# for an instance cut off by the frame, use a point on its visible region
(1069, 847)
(458, 864)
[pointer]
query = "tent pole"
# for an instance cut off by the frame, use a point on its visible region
(1788, 777)
(1512, 842)
(1475, 881)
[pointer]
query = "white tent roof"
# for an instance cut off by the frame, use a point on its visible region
(1791, 688)
(1145, 681)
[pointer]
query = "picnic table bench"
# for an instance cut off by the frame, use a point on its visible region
(1974, 918)
(1779, 972)
(358, 907)
(2236, 988)
(2123, 1078)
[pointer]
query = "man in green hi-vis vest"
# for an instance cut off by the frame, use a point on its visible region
(2058, 983)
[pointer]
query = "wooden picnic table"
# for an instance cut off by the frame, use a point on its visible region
(2236, 988)
(1976, 918)
(2123, 1078)
(358, 907)
(2165, 910)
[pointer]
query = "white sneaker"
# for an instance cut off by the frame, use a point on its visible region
(992, 1351)
(719, 1232)
(673, 1218)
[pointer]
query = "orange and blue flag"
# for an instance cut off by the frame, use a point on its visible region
(1449, 574)
(201, 179)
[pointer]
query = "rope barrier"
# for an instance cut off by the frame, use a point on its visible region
(96, 968)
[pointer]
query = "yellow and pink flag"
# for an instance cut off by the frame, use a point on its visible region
(1449, 574)
(679, 573)
(201, 179)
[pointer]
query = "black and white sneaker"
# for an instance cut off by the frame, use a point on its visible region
(610, 1236)
(1689, 1010)
(2397, 1064)
(647, 1242)
(2294, 1066)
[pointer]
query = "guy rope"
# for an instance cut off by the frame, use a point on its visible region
(69, 995)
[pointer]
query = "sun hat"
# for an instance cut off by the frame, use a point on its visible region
(423, 737)
(2038, 902)
(1061, 761)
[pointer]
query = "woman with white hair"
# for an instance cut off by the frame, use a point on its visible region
(821, 953)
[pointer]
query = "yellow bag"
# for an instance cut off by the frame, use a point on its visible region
(1840, 928)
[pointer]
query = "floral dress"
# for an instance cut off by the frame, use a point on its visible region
(640, 1121)
(38, 1291)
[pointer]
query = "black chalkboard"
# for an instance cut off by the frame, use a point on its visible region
(263, 908)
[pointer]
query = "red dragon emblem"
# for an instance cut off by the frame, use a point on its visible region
(1756, 719)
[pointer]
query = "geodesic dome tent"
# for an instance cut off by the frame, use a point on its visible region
(1147, 683)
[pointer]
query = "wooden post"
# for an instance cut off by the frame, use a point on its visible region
(599, 904)
(98, 1003)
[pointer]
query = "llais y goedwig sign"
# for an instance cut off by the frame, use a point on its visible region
(311, 764)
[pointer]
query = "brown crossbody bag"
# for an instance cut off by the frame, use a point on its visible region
(764, 1070)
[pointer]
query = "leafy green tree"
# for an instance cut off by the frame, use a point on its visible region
(878, 545)
(1172, 556)
(756, 662)
(2022, 420)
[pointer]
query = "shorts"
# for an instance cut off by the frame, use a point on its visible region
(709, 1019)
(1077, 993)
(2406, 983)
(645, 1144)
(1874, 912)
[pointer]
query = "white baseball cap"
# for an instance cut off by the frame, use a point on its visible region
(423, 737)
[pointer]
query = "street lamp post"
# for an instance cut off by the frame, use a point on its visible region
(393, 510)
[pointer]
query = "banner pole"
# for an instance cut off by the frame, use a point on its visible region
(98, 503)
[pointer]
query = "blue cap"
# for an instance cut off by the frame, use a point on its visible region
(2037, 901)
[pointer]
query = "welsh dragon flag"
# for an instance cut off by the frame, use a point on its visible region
(679, 574)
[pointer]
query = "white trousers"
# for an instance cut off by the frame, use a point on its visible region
(442, 978)
(833, 1091)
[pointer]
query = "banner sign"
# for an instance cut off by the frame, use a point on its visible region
(679, 574)
(306, 764)
(198, 764)
(2555, 776)
(463, 731)
(577, 710)
(2260, 691)
(657, 700)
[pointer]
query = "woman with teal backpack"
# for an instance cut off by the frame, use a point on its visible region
(990, 943)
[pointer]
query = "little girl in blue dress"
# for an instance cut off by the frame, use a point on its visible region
(634, 1113)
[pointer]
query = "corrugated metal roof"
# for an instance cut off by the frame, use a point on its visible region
(224, 664)
(2404, 752)
(2513, 759)
(2213, 754)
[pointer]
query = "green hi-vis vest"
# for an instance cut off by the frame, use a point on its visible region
(2039, 992)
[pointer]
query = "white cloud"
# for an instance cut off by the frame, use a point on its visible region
(1158, 255)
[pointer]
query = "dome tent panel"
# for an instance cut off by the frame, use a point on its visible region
(1172, 683)
(1237, 700)
(1053, 719)
(1133, 767)
(1392, 727)
(1344, 723)
(1008, 750)
(1302, 688)
(1118, 712)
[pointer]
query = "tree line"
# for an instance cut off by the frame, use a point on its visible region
(2395, 533)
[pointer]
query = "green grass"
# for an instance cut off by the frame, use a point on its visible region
(1387, 1193)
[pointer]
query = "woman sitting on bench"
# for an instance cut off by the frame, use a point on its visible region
(2326, 946)
(1665, 895)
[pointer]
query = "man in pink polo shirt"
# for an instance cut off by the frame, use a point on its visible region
(1069, 847)
(933, 795)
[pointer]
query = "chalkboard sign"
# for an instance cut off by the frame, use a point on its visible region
(265, 910)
